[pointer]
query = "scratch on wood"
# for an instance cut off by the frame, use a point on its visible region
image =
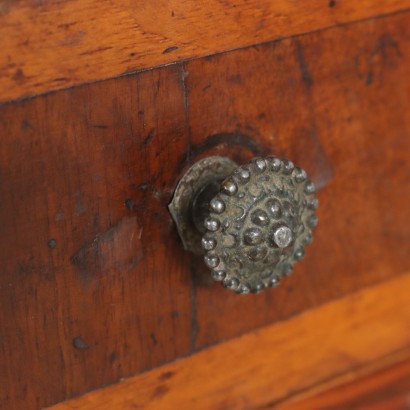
(97, 50)
(118, 249)
(149, 137)
(304, 69)
(170, 49)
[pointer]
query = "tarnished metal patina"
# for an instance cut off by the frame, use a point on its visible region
(257, 219)
(202, 180)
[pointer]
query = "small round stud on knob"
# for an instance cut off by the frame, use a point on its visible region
(256, 219)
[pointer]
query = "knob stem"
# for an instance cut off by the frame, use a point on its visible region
(200, 203)
(190, 204)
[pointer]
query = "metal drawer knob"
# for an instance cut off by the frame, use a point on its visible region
(252, 222)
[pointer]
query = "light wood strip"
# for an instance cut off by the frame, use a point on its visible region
(356, 375)
(268, 364)
(48, 45)
(385, 389)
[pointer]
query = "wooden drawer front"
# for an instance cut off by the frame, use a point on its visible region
(95, 285)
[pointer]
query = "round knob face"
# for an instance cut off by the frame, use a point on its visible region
(259, 224)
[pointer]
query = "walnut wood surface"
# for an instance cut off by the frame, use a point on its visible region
(47, 45)
(89, 169)
(386, 389)
(95, 285)
(272, 363)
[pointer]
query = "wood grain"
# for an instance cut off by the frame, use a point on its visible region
(353, 376)
(336, 102)
(49, 45)
(90, 288)
(273, 362)
(386, 389)
(95, 285)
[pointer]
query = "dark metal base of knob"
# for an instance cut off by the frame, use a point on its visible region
(189, 205)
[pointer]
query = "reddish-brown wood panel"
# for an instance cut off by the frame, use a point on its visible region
(93, 284)
(47, 45)
(336, 102)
